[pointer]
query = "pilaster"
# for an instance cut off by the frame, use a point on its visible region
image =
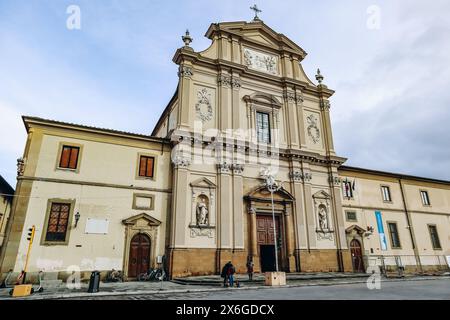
(185, 74)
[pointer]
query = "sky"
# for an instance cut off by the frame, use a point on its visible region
(388, 61)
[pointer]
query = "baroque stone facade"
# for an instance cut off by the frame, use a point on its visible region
(243, 106)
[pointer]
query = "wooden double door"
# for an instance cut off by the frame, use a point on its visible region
(266, 241)
(139, 258)
(357, 256)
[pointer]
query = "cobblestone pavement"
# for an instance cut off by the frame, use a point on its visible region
(390, 290)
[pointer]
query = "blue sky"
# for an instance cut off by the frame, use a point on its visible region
(391, 110)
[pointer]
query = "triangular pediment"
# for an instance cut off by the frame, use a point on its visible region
(262, 192)
(257, 32)
(142, 217)
(203, 183)
(355, 228)
(321, 195)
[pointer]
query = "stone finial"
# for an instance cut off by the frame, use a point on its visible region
(319, 76)
(187, 39)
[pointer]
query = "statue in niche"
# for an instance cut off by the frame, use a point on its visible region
(202, 212)
(323, 219)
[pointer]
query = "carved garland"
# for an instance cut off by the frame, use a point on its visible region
(204, 100)
(313, 130)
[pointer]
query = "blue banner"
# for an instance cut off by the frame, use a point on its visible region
(381, 230)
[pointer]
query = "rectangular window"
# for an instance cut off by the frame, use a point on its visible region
(425, 198)
(69, 157)
(58, 220)
(393, 232)
(386, 193)
(263, 127)
(351, 216)
(146, 166)
(434, 237)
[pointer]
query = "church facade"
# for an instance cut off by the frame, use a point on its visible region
(242, 158)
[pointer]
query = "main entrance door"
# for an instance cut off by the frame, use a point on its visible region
(265, 237)
(139, 261)
(357, 258)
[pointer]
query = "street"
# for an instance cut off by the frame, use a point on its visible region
(390, 290)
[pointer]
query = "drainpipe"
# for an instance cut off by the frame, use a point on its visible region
(410, 227)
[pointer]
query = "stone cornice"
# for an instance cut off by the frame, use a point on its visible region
(94, 184)
(252, 148)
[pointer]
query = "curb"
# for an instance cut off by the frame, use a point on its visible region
(157, 292)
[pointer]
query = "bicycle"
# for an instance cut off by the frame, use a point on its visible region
(153, 275)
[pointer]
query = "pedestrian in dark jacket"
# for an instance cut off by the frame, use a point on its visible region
(231, 272)
(224, 273)
(250, 265)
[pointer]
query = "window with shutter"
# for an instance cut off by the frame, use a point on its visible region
(69, 157)
(146, 166)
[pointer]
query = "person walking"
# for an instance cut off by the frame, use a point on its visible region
(250, 265)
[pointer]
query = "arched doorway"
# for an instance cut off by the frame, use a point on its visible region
(139, 257)
(357, 258)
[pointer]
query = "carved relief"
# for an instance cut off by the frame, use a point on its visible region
(202, 232)
(203, 107)
(260, 61)
(313, 129)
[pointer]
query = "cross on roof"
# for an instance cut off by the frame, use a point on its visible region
(257, 10)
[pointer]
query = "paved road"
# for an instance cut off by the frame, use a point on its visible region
(390, 290)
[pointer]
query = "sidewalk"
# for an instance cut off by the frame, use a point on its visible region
(205, 283)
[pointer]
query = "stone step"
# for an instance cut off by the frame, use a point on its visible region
(51, 283)
(259, 278)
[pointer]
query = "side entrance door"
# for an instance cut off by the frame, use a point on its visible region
(357, 257)
(139, 261)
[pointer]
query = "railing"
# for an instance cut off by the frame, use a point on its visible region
(407, 263)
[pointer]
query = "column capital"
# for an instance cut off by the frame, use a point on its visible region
(181, 161)
(224, 80)
(224, 167)
(235, 83)
(335, 180)
(237, 168)
(325, 105)
(185, 72)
